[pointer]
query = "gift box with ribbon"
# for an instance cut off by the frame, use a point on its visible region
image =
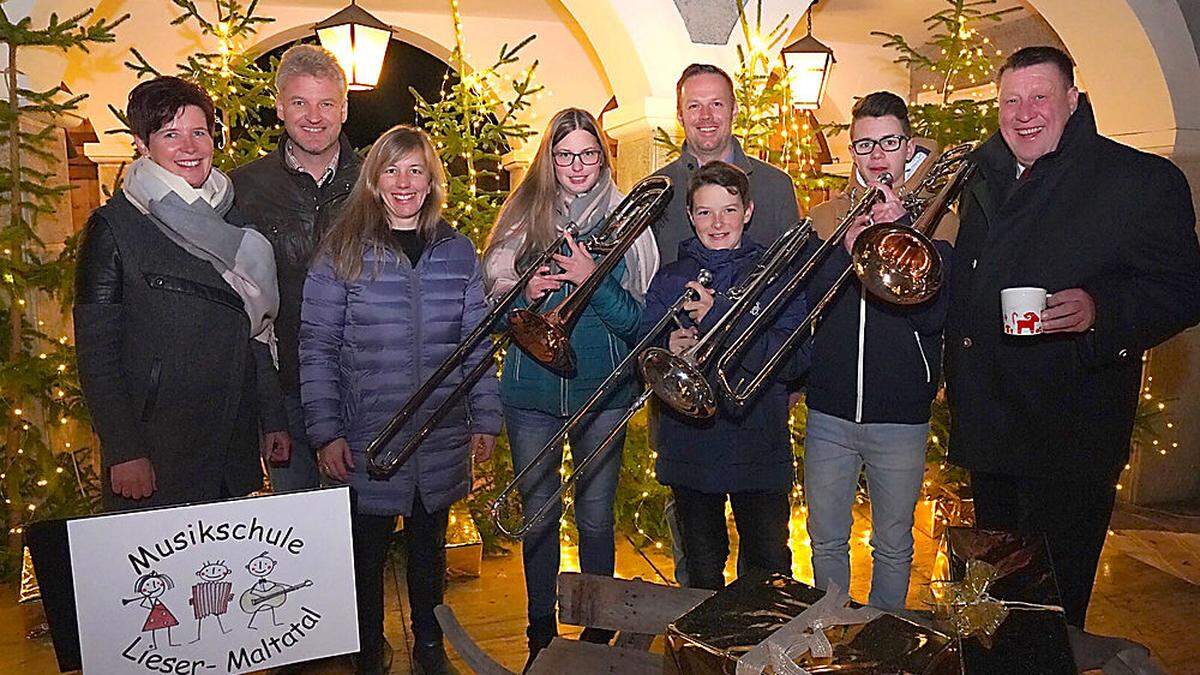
(996, 593)
(775, 624)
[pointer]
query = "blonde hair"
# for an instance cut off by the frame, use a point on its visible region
(363, 220)
(529, 209)
(310, 60)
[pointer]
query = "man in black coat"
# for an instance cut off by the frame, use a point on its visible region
(292, 196)
(1043, 422)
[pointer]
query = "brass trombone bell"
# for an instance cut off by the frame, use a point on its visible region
(677, 382)
(897, 263)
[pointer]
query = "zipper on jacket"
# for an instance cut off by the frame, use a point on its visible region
(415, 298)
(921, 351)
(562, 384)
(152, 391)
(862, 338)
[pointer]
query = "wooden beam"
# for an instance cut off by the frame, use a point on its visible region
(623, 604)
(475, 658)
(586, 658)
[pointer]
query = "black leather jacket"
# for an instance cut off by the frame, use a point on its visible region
(166, 362)
(293, 213)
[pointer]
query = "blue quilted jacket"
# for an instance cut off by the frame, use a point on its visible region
(366, 345)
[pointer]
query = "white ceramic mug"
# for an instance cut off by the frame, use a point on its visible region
(1023, 309)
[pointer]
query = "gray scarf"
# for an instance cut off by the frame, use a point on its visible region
(194, 219)
(587, 212)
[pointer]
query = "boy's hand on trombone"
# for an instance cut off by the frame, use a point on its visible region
(890, 209)
(697, 309)
(577, 266)
(541, 284)
(682, 339)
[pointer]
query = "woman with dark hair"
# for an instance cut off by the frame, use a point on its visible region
(174, 303)
(569, 182)
(393, 291)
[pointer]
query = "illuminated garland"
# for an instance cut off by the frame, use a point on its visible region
(39, 392)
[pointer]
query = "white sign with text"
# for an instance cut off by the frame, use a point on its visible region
(226, 587)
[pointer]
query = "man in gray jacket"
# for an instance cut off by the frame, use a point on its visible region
(292, 196)
(705, 106)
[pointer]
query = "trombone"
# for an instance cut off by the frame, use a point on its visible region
(547, 337)
(643, 204)
(897, 263)
(555, 443)
(381, 462)
(678, 379)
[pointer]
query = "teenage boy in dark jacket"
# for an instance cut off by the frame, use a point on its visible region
(875, 371)
(292, 196)
(743, 456)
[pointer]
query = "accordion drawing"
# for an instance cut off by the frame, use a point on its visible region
(211, 598)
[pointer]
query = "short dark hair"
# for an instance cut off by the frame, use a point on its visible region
(728, 176)
(1032, 56)
(154, 103)
(882, 104)
(701, 69)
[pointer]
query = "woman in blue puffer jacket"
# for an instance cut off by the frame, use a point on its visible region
(569, 182)
(390, 297)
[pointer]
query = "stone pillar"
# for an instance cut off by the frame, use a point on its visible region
(111, 158)
(516, 166)
(634, 129)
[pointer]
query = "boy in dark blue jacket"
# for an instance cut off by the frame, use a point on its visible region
(744, 456)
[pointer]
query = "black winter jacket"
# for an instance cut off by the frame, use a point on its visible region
(166, 362)
(1096, 215)
(872, 361)
(733, 451)
(293, 213)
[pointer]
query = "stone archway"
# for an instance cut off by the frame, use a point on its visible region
(1138, 62)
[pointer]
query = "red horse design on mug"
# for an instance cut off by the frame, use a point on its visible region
(1030, 321)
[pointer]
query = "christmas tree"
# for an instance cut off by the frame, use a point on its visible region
(958, 58)
(476, 120)
(239, 87)
(42, 474)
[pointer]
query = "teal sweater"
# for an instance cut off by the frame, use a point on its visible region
(606, 330)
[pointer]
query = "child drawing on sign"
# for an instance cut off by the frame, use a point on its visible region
(211, 596)
(150, 587)
(265, 594)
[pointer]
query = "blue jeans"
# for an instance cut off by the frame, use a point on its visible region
(835, 451)
(528, 432)
(300, 471)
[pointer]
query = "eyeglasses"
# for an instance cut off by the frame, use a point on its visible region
(890, 143)
(565, 158)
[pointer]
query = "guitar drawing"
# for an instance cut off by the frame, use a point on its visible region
(264, 594)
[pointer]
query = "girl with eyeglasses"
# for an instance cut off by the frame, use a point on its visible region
(569, 183)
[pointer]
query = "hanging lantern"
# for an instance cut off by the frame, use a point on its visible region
(808, 62)
(359, 41)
